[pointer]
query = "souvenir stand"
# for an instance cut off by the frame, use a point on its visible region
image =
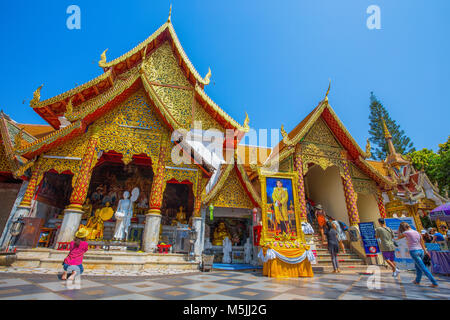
(283, 248)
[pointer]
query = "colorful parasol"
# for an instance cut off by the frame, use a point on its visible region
(442, 212)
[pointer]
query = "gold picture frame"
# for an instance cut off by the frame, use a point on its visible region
(267, 235)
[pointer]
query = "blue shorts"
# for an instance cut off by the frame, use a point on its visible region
(65, 266)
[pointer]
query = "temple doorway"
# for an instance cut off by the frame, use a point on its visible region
(110, 179)
(52, 197)
(367, 207)
(176, 211)
(325, 187)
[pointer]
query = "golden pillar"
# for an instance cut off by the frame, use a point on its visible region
(298, 166)
(380, 203)
(351, 196)
(81, 187)
(32, 186)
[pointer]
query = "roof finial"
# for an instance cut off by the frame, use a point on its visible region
(36, 96)
(102, 62)
(285, 135)
(328, 91)
(387, 134)
(170, 13)
(208, 76)
(246, 122)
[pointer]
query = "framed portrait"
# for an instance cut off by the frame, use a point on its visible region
(281, 210)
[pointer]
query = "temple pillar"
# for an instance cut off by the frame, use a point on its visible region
(74, 212)
(380, 203)
(350, 195)
(414, 213)
(23, 209)
(150, 236)
(298, 167)
(197, 226)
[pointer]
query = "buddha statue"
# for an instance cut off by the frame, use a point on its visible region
(87, 209)
(220, 233)
(95, 224)
(180, 217)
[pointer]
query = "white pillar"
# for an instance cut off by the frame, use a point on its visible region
(150, 237)
(197, 226)
(69, 226)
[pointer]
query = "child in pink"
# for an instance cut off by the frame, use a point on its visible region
(74, 260)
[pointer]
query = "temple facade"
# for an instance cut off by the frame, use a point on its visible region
(121, 132)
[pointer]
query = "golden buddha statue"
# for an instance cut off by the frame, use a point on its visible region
(95, 224)
(220, 233)
(180, 217)
(87, 209)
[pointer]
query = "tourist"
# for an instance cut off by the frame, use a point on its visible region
(386, 237)
(417, 250)
(341, 234)
(73, 263)
(437, 236)
(426, 236)
(310, 211)
(321, 221)
(333, 244)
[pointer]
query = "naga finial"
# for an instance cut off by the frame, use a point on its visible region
(285, 135)
(36, 96)
(328, 91)
(208, 76)
(368, 148)
(102, 62)
(69, 111)
(246, 122)
(170, 13)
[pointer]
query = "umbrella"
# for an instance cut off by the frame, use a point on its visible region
(442, 212)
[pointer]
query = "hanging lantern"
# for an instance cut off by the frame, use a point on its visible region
(211, 208)
(255, 215)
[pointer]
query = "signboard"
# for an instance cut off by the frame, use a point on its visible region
(370, 242)
(402, 256)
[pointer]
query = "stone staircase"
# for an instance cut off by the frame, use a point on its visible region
(100, 259)
(348, 262)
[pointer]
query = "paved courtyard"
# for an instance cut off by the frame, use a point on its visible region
(218, 285)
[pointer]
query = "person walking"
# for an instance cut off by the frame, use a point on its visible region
(321, 221)
(73, 263)
(417, 250)
(341, 234)
(333, 244)
(386, 237)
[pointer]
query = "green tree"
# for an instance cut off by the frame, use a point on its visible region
(402, 143)
(435, 165)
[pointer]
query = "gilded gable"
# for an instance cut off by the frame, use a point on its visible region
(232, 194)
(4, 163)
(321, 134)
(178, 102)
(200, 115)
(163, 67)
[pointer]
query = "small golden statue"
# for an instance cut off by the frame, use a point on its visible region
(95, 224)
(181, 217)
(220, 233)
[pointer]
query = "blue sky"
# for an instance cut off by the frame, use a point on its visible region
(272, 59)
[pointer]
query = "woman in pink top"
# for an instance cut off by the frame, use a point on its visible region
(417, 251)
(74, 260)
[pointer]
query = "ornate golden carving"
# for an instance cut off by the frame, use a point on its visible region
(286, 139)
(232, 194)
(4, 162)
(102, 62)
(36, 96)
(19, 142)
(368, 148)
(208, 77)
(321, 134)
(321, 155)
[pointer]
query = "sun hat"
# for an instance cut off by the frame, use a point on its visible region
(81, 233)
(319, 206)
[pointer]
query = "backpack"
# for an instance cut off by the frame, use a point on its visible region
(343, 226)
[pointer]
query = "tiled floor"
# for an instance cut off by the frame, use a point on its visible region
(221, 286)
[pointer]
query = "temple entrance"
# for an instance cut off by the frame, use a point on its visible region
(367, 207)
(234, 223)
(52, 197)
(325, 187)
(110, 179)
(176, 212)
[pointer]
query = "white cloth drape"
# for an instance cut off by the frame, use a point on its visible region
(272, 254)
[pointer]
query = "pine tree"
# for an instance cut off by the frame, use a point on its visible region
(402, 143)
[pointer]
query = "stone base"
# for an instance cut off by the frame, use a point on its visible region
(100, 259)
(70, 225)
(150, 238)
